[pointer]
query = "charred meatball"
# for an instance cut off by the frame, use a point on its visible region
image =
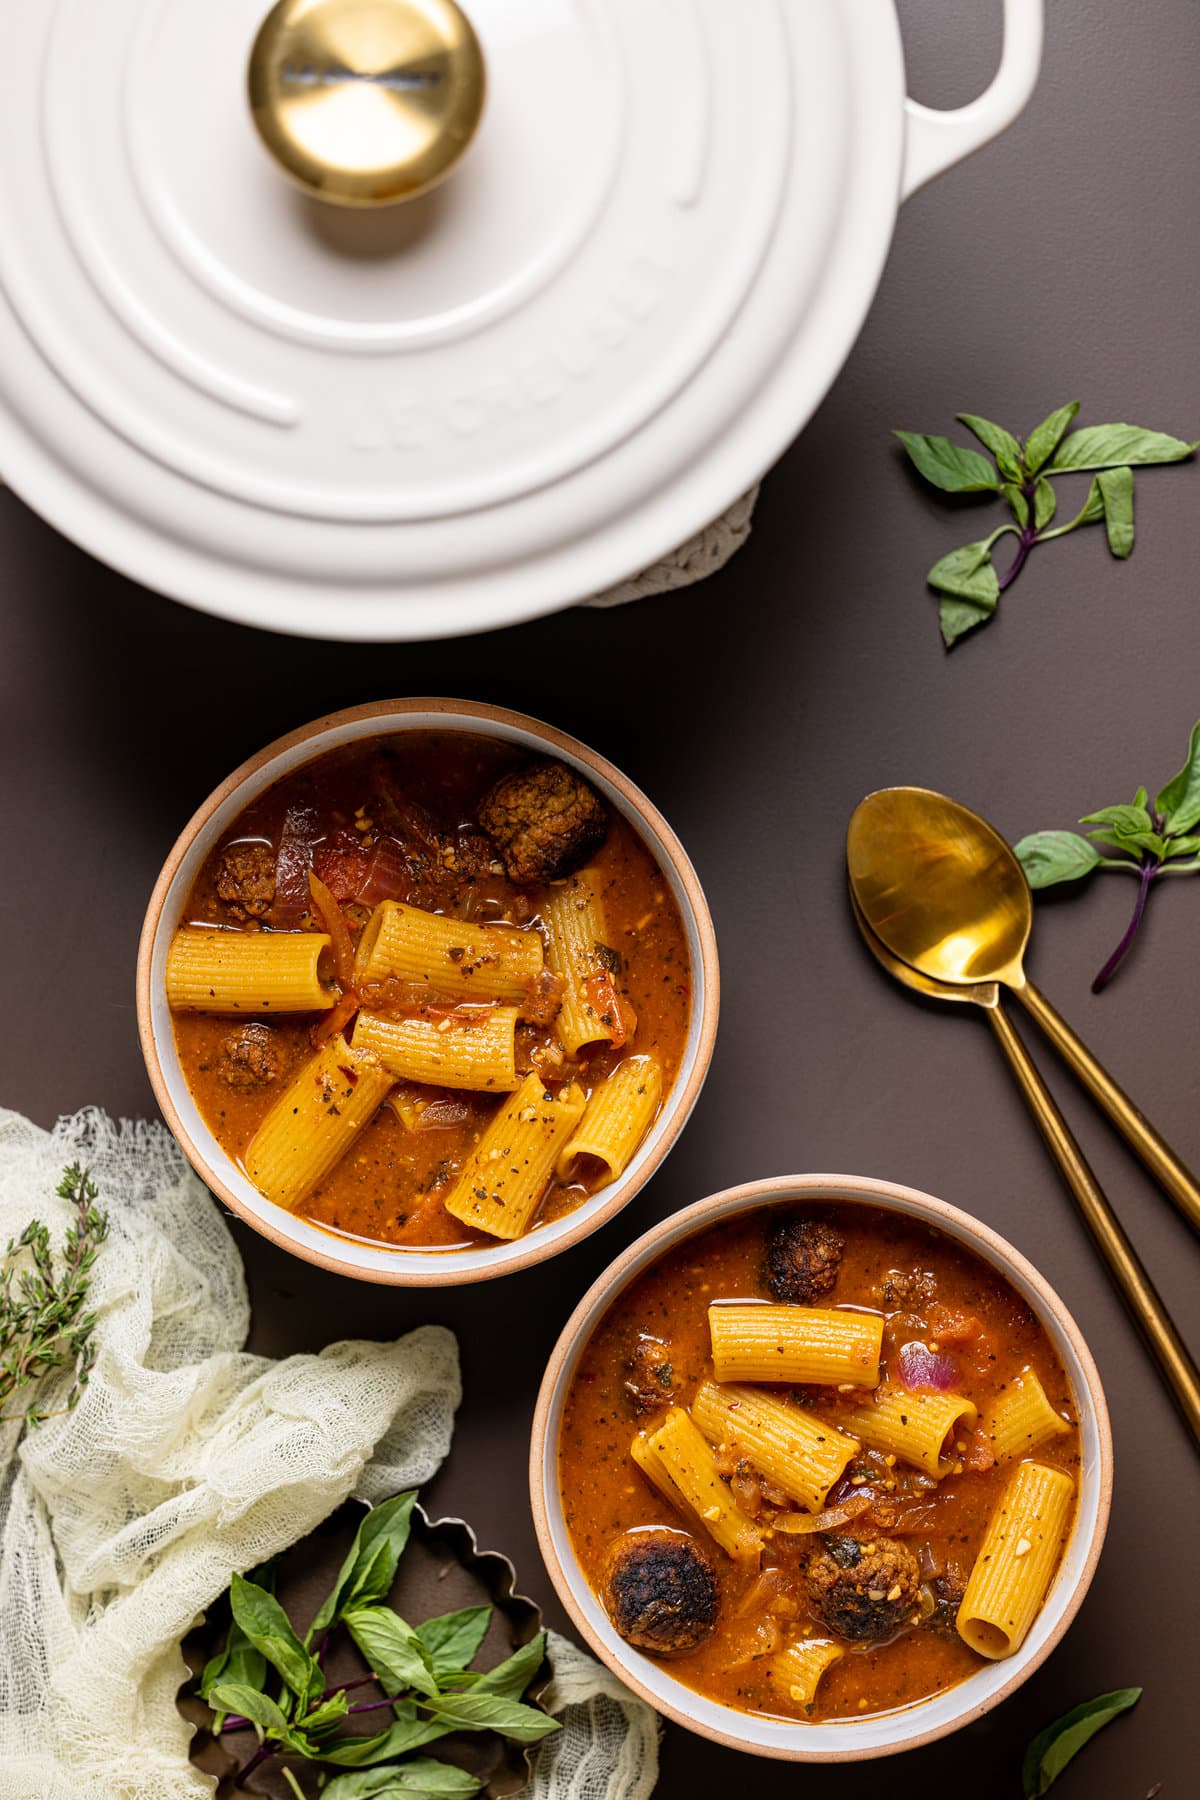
(803, 1258)
(545, 820)
(863, 1591)
(650, 1381)
(661, 1592)
(250, 1058)
(947, 1590)
(246, 880)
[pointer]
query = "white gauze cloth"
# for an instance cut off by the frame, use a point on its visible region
(186, 1459)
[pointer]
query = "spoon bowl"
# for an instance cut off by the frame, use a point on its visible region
(939, 887)
(946, 898)
(986, 993)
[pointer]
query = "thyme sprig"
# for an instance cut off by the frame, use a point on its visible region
(43, 1322)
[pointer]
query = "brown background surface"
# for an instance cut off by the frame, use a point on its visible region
(1062, 262)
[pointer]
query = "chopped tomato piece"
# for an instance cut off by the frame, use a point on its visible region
(611, 1008)
(342, 864)
(965, 1334)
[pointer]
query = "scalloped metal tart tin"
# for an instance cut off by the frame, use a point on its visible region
(442, 1569)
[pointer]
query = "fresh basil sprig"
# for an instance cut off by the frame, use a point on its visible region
(267, 1677)
(966, 580)
(1052, 1749)
(1151, 841)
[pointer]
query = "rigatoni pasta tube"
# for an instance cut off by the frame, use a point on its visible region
(247, 971)
(799, 1668)
(509, 1169)
(452, 1052)
(795, 1343)
(460, 961)
(1022, 1418)
(619, 1114)
(916, 1427)
(797, 1452)
(677, 1458)
(578, 951)
(315, 1121)
(1016, 1560)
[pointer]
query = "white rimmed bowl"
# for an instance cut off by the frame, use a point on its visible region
(344, 1255)
(842, 1740)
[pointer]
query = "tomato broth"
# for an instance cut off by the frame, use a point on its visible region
(396, 818)
(929, 1289)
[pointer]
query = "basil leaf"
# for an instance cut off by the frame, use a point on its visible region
(238, 1660)
(1044, 441)
(1108, 446)
(1045, 500)
(330, 1712)
(362, 1752)
(1015, 496)
(512, 1677)
(1051, 856)
(482, 1711)
(970, 585)
(371, 1562)
(1116, 485)
(1184, 846)
(1052, 1749)
(454, 1639)
(421, 1779)
(1141, 798)
(269, 1629)
(392, 1648)
(1091, 510)
(1179, 801)
(1121, 818)
(250, 1703)
(948, 466)
(1002, 444)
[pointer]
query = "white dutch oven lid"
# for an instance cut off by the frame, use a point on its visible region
(487, 403)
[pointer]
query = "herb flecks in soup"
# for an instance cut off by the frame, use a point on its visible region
(429, 991)
(822, 1458)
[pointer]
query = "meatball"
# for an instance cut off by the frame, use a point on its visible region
(649, 1383)
(803, 1258)
(661, 1592)
(947, 1590)
(250, 1058)
(863, 1591)
(545, 820)
(246, 880)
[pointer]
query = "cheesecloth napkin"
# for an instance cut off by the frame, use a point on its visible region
(186, 1459)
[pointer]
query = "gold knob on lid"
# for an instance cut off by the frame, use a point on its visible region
(366, 102)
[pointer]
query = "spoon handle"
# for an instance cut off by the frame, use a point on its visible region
(1138, 1291)
(1173, 1176)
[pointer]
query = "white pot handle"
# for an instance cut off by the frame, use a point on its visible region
(935, 140)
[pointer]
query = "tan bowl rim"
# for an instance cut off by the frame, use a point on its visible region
(854, 1188)
(680, 1101)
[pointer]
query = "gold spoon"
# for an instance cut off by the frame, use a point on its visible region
(945, 894)
(1137, 1289)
